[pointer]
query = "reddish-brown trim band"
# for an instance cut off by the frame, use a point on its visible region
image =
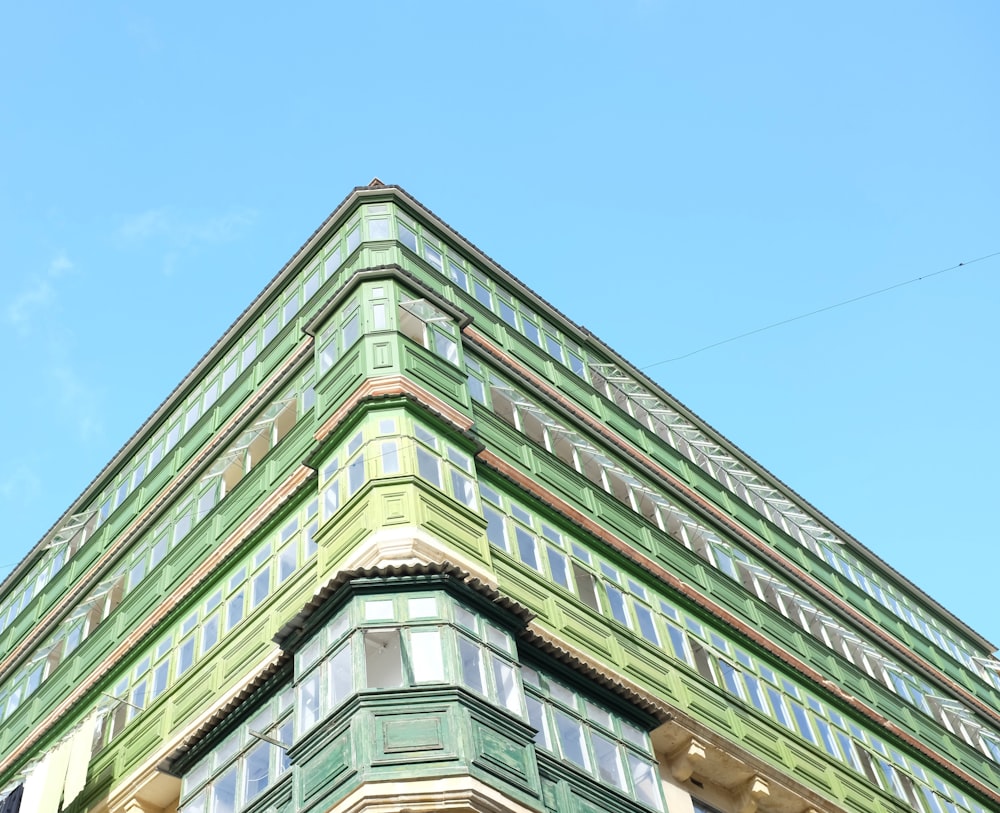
(259, 516)
(745, 535)
(586, 523)
(387, 386)
(140, 523)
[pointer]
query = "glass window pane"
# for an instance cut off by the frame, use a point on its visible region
(498, 638)
(608, 759)
(285, 736)
(351, 330)
(558, 567)
(538, 721)
(257, 770)
(426, 657)
(463, 489)
(160, 675)
(261, 586)
(635, 736)
(585, 587)
(457, 275)
(197, 804)
(755, 692)
(471, 657)
(508, 689)
(209, 633)
(287, 560)
(644, 782)
(234, 610)
(730, 678)
(553, 348)
(563, 694)
(617, 601)
(595, 714)
(308, 655)
(311, 285)
(495, 530)
(425, 607)
(531, 331)
(427, 466)
(341, 676)
(507, 314)
(390, 457)
(647, 626)
(433, 256)
(802, 721)
(465, 618)
(526, 548)
(307, 702)
(331, 500)
(224, 792)
(445, 347)
(424, 436)
(778, 704)
(571, 740)
(354, 238)
(185, 655)
(379, 610)
(483, 294)
(407, 237)
(355, 474)
(383, 659)
(309, 538)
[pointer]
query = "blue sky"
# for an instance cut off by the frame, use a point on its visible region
(669, 174)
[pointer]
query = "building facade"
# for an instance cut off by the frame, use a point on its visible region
(408, 539)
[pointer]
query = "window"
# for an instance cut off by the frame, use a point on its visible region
(582, 732)
(429, 326)
(244, 765)
(434, 455)
(243, 589)
(404, 639)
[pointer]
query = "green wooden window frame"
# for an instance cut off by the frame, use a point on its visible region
(606, 589)
(251, 759)
(402, 640)
(240, 592)
(600, 742)
(527, 416)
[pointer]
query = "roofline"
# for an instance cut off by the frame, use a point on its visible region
(377, 189)
(92, 489)
(584, 335)
(449, 577)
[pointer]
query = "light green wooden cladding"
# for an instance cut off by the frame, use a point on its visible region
(395, 395)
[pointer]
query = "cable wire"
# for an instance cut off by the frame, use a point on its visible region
(821, 310)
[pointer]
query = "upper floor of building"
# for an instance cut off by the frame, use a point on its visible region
(386, 290)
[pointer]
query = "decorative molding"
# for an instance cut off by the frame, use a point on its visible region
(127, 646)
(750, 793)
(685, 761)
(387, 386)
(409, 545)
(458, 794)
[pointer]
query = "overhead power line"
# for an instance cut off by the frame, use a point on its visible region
(822, 310)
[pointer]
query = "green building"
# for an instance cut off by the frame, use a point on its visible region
(408, 539)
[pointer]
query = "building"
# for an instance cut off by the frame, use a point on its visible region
(408, 539)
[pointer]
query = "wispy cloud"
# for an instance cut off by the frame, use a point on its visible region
(176, 232)
(33, 313)
(19, 484)
(137, 228)
(36, 296)
(77, 400)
